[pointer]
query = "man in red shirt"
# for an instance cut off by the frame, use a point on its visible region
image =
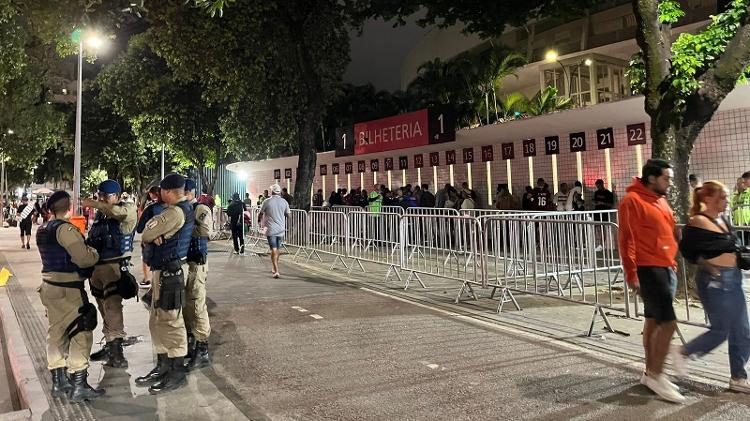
(648, 248)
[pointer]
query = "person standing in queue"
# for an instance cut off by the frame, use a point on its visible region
(112, 236)
(71, 317)
(196, 312)
(170, 232)
(648, 248)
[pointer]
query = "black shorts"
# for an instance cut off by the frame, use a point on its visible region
(25, 226)
(658, 287)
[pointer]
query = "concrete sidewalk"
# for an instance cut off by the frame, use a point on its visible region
(124, 401)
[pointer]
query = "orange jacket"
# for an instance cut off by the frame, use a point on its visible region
(646, 235)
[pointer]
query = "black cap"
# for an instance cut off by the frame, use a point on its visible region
(55, 197)
(172, 181)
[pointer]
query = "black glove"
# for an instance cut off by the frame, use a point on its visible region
(171, 290)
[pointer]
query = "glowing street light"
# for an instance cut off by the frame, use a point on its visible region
(10, 131)
(95, 41)
(588, 62)
(551, 56)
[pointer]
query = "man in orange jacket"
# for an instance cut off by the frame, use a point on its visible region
(648, 248)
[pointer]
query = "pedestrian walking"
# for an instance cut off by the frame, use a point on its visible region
(709, 241)
(273, 216)
(65, 259)
(112, 236)
(195, 310)
(236, 213)
(170, 232)
(25, 215)
(648, 248)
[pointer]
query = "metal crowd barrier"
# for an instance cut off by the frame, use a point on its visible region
(375, 237)
(392, 209)
(296, 230)
(445, 253)
(345, 209)
(572, 260)
(328, 233)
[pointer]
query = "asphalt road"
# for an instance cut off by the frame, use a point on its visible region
(307, 348)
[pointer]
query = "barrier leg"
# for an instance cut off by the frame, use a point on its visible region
(679, 334)
(505, 297)
(336, 260)
(316, 254)
(393, 269)
(600, 311)
(414, 275)
(358, 262)
(464, 287)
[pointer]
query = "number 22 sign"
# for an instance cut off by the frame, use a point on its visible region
(637, 134)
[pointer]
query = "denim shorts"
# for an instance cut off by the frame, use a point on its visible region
(275, 241)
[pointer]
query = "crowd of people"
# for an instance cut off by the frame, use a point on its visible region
(538, 198)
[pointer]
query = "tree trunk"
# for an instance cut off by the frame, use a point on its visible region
(487, 105)
(494, 98)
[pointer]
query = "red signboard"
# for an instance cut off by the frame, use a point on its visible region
(397, 132)
(418, 161)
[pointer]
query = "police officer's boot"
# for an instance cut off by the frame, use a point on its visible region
(200, 357)
(155, 375)
(175, 379)
(116, 356)
(101, 354)
(190, 345)
(82, 391)
(60, 384)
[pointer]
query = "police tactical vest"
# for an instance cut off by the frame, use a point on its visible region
(198, 246)
(108, 239)
(176, 248)
(54, 256)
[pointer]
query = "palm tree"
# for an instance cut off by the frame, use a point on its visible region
(513, 103)
(546, 101)
(505, 64)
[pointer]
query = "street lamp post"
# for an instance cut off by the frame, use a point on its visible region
(95, 42)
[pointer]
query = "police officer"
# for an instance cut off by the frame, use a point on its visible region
(170, 232)
(112, 236)
(71, 317)
(196, 312)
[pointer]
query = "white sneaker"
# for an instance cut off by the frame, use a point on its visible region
(678, 360)
(662, 387)
(644, 378)
(740, 385)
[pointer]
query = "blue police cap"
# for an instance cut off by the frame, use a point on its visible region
(189, 184)
(172, 181)
(110, 187)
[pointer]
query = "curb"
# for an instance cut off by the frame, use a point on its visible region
(30, 390)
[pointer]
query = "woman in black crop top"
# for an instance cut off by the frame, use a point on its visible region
(708, 240)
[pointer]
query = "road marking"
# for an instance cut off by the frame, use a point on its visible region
(300, 309)
(316, 316)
